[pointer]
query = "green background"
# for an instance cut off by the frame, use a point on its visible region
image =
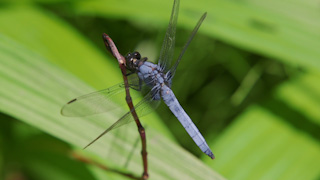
(249, 81)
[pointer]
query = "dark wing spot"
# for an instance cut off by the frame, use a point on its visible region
(73, 100)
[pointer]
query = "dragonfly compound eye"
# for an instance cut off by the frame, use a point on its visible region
(136, 55)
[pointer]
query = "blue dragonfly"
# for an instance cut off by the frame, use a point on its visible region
(156, 78)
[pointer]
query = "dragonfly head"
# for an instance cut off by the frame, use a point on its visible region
(133, 60)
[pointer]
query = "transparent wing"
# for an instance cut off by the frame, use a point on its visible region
(99, 102)
(173, 69)
(144, 107)
(167, 49)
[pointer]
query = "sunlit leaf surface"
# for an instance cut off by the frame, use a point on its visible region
(249, 81)
(34, 92)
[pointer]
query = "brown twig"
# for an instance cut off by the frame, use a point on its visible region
(122, 64)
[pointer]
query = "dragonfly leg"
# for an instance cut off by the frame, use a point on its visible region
(130, 73)
(144, 59)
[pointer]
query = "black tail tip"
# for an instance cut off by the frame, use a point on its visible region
(211, 155)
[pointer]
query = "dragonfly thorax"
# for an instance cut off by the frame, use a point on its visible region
(148, 72)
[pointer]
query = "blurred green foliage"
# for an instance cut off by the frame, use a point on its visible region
(249, 81)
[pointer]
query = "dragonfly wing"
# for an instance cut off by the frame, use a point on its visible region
(144, 107)
(122, 121)
(172, 71)
(147, 105)
(134, 81)
(93, 103)
(99, 102)
(167, 49)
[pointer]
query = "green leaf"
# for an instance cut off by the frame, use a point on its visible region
(302, 94)
(33, 90)
(262, 145)
(277, 140)
(53, 38)
(66, 47)
(285, 30)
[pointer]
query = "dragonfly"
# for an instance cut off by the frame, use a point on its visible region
(156, 78)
